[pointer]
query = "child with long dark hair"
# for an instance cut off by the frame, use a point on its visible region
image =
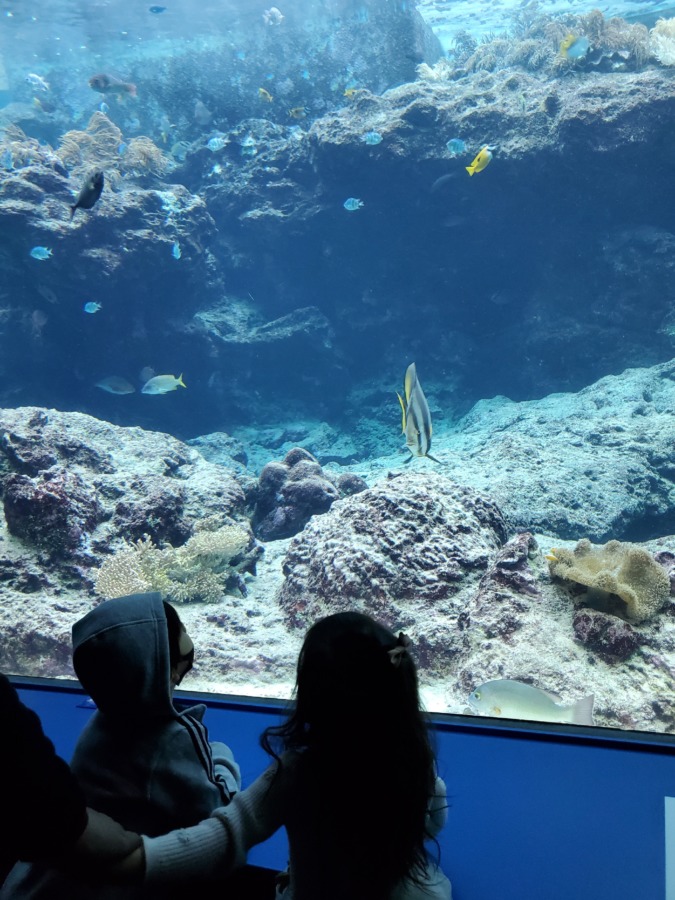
(353, 781)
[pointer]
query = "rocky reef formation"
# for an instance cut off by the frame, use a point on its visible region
(409, 544)
(76, 490)
(289, 493)
(422, 551)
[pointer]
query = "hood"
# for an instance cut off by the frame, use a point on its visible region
(121, 656)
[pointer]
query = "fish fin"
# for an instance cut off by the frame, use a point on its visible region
(433, 459)
(409, 459)
(72, 211)
(400, 400)
(470, 169)
(409, 381)
(582, 711)
(180, 380)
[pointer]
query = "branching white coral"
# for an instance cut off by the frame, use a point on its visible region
(200, 570)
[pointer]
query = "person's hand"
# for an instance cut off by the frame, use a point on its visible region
(103, 844)
(104, 840)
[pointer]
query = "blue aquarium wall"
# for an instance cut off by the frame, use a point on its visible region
(548, 813)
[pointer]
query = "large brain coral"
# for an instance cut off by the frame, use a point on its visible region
(617, 568)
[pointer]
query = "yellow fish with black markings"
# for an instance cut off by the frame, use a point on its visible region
(416, 418)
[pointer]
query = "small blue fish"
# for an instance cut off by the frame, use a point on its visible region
(176, 251)
(456, 147)
(248, 146)
(157, 9)
(7, 160)
(92, 307)
(40, 252)
(352, 204)
(216, 143)
(372, 138)
(105, 109)
(573, 47)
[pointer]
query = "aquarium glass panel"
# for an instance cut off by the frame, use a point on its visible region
(355, 304)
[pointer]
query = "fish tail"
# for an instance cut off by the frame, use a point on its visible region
(469, 169)
(180, 380)
(582, 711)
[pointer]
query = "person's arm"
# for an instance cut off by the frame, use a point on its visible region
(44, 809)
(217, 845)
(227, 771)
(437, 811)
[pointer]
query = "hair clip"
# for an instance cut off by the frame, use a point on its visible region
(397, 653)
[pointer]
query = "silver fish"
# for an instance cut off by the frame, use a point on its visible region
(416, 418)
(516, 700)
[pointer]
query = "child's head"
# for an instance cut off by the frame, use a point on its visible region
(181, 648)
(352, 672)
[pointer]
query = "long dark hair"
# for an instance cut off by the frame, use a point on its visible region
(366, 768)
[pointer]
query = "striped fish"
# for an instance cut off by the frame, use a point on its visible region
(416, 418)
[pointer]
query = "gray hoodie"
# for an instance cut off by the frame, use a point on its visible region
(138, 759)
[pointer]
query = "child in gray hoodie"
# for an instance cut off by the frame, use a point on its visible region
(139, 759)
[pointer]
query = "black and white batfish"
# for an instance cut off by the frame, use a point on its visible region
(416, 418)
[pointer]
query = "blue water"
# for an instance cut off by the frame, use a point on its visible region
(256, 116)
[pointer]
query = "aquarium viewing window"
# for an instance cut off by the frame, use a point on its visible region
(232, 233)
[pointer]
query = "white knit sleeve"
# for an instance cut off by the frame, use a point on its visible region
(219, 844)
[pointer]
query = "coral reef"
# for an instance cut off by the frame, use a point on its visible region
(102, 145)
(54, 512)
(290, 492)
(203, 569)
(611, 638)
(662, 41)
(615, 572)
(80, 488)
(398, 551)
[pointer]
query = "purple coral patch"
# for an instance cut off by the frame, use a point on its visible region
(610, 637)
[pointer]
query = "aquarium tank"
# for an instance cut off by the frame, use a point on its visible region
(346, 304)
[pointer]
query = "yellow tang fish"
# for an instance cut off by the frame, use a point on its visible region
(265, 95)
(481, 160)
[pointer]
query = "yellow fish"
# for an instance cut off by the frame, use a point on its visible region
(573, 47)
(162, 384)
(298, 112)
(350, 93)
(265, 95)
(481, 160)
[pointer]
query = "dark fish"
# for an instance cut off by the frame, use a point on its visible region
(157, 9)
(89, 192)
(108, 84)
